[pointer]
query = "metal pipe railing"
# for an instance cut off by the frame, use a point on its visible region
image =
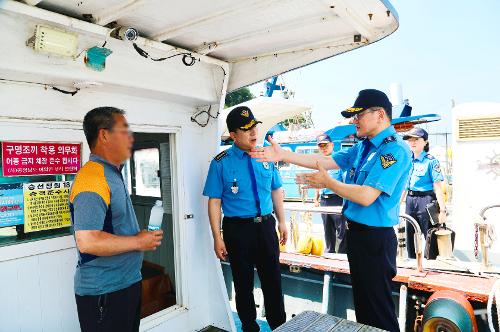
(483, 211)
(417, 238)
(482, 228)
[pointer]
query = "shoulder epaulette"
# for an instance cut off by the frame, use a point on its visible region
(428, 156)
(220, 156)
(389, 139)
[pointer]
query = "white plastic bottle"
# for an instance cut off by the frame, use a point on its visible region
(156, 216)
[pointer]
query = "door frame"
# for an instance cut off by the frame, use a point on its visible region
(179, 231)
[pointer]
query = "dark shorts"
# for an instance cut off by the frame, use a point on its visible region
(116, 311)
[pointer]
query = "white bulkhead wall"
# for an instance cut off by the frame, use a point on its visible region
(476, 180)
(37, 292)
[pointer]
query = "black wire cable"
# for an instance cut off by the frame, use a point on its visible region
(209, 115)
(187, 58)
(72, 93)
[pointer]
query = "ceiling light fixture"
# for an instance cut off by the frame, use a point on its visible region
(50, 40)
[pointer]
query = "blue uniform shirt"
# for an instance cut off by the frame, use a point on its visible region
(336, 174)
(385, 167)
(425, 172)
(230, 179)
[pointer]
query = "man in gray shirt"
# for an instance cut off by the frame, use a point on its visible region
(110, 244)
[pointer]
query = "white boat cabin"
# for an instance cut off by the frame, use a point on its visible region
(55, 66)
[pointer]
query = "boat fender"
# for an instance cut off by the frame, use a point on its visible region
(305, 244)
(447, 311)
(318, 245)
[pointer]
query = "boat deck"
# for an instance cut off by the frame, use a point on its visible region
(310, 321)
(476, 288)
(437, 274)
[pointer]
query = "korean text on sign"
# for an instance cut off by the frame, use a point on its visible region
(46, 206)
(40, 158)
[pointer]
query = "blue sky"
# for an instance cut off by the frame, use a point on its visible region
(442, 50)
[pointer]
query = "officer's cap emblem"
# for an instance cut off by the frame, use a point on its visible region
(248, 125)
(354, 109)
(387, 160)
(245, 113)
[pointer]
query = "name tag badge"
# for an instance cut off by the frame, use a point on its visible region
(234, 187)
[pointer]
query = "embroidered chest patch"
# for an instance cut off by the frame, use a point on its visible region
(387, 160)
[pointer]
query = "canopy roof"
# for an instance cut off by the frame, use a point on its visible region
(259, 38)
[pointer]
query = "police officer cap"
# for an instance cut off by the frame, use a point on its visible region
(241, 117)
(416, 132)
(323, 138)
(366, 99)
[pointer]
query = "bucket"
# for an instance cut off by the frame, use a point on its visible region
(444, 243)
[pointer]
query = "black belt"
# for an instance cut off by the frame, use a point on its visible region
(356, 226)
(256, 219)
(420, 193)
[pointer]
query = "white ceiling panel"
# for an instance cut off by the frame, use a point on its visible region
(295, 32)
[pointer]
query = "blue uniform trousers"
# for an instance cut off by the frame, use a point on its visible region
(334, 226)
(371, 252)
(415, 207)
(251, 245)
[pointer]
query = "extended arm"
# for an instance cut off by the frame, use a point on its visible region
(275, 153)
(363, 195)
(360, 194)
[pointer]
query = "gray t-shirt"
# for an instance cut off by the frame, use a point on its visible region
(99, 200)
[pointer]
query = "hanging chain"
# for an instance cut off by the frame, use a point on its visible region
(476, 241)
